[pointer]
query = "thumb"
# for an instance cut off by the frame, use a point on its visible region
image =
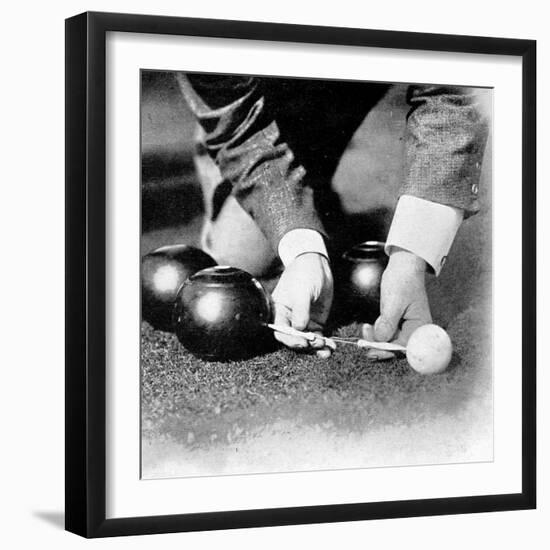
(300, 311)
(386, 325)
(408, 327)
(384, 328)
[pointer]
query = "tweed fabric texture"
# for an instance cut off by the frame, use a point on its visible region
(445, 139)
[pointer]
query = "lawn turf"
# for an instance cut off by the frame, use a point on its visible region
(200, 404)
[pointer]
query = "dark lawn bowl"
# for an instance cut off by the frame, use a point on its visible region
(163, 272)
(358, 280)
(220, 314)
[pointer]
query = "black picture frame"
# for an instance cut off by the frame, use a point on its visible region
(86, 283)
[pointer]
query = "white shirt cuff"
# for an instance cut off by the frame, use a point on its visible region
(424, 228)
(300, 241)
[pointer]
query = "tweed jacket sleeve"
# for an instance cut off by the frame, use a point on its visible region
(243, 138)
(445, 140)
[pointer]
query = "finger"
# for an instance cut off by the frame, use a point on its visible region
(385, 327)
(391, 311)
(417, 315)
(291, 341)
(330, 343)
(300, 311)
(329, 346)
(324, 353)
(408, 327)
(317, 329)
(380, 354)
(367, 332)
(283, 317)
(319, 342)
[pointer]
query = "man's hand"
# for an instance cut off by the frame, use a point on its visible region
(404, 303)
(302, 300)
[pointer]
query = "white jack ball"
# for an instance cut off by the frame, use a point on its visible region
(429, 349)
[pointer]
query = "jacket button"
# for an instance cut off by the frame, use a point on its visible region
(475, 189)
(443, 260)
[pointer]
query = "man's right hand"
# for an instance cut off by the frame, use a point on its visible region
(302, 300)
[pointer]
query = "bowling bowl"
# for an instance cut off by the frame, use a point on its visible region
(163, 271)
(220, 314)
(359, 278)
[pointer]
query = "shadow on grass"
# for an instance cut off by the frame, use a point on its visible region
(456, 362)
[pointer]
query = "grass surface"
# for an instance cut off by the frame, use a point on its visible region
(198, 402)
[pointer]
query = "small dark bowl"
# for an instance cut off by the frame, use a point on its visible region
(359, 279)
(163, 271)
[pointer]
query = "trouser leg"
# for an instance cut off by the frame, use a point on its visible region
(316, 118)
(229, 234)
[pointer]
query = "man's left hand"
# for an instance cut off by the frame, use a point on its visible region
(404, 303)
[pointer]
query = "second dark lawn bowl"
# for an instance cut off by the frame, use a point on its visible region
(359, 278)
(221, 313)
(163, 271)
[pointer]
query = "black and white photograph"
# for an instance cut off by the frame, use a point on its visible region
(274, 275)
(316, 274)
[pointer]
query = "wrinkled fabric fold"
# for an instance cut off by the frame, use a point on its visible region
(445, 139)
(246, 144)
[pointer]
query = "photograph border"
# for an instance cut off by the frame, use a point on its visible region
(85, 372)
